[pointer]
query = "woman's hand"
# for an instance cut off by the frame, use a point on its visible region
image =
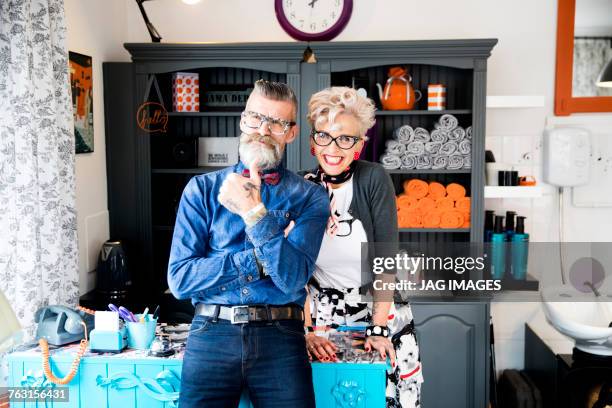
(321, 348)
(381, 344)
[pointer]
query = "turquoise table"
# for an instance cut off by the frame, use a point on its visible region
(133, 380)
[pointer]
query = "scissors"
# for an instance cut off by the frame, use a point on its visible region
(123, 313)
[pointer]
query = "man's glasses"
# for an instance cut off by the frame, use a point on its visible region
(254, 120)
(325, 139)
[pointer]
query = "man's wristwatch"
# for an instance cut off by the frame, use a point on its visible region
(382, 331)
(308, 329)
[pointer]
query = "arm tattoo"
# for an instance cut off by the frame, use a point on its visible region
(250, 188)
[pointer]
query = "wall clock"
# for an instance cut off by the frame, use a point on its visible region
(313, 20)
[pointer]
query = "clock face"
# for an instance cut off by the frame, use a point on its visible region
(312, 20)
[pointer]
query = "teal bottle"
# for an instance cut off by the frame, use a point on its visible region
(520, 250)
(498, 249)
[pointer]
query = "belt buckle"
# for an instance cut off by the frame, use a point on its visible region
(240, 314)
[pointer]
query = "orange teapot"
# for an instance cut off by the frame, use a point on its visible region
(398, 93)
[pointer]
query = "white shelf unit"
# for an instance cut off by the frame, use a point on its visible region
(513, 192)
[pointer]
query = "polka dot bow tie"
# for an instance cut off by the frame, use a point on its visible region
(268, 178)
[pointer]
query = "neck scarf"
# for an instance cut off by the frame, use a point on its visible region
(326, 180)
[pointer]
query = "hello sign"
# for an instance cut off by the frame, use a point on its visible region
(152, 117)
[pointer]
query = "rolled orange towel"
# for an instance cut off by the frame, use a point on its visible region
(425, 205)
(444, 204)
(406, 202)
(463, 204)
(466, 224)
(432, 219)
(409, 219)
(416, 188)
(455, 191)
(436, 190)
(451, 219)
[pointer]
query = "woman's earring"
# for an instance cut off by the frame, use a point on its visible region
(312, 152)
(356, 155)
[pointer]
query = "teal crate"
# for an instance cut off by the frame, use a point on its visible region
(115, 381)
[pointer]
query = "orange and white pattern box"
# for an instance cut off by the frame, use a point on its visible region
(185, 92)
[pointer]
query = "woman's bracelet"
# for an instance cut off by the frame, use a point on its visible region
(382, 331)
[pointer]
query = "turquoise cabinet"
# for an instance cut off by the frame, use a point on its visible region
(114, 381)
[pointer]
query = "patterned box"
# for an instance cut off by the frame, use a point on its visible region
(185, 92)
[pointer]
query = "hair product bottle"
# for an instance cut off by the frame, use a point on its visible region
(498, 249)
(520, 250)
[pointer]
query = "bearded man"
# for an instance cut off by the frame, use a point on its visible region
(245, 276)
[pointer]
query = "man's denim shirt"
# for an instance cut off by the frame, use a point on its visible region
(214, 256)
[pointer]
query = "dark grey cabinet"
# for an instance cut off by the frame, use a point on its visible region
(454, 335)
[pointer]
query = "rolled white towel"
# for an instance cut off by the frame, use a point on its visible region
(421, 135)
(390, 161)
(433, 147)
(467, 161)
(424, 162)
(439, 135)
(439, 161)
(416, 148)
(447, 122)
(468, 132)
(455, 161)
(457, 134)
(396, 148)
(465, 146)
(404, 134)
(448, 148)
(409, 162)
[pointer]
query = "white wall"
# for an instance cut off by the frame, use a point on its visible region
(522, 63)
(96, 28)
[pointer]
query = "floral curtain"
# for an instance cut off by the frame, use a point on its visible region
(590, 56)
(38, 245)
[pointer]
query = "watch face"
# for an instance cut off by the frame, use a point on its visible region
(310, 20)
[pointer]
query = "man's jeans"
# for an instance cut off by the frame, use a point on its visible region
(269, 359)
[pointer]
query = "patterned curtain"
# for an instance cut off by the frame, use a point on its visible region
(590, 56)
(38, 246)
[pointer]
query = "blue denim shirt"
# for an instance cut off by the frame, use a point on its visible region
(213, 259)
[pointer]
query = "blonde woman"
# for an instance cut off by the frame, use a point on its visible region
(363, 209)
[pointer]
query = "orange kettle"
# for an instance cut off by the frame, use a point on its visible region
(398, 93)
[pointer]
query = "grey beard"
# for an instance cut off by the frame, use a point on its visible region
(254, 153)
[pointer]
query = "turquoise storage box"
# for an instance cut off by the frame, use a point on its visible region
(131, 379)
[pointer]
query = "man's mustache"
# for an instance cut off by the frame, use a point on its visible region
(259, 138)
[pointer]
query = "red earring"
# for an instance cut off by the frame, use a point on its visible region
(312, 152)
(356, 155)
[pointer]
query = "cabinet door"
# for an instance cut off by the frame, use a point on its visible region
(453, 340)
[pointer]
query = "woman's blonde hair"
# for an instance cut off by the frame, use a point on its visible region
(325, 105)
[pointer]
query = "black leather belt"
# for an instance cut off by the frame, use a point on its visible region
(254, 313)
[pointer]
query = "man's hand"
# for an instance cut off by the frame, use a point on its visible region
(240, 194)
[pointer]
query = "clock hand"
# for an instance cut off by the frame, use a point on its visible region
(312, 3)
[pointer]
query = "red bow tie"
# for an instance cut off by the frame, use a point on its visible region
(268, 178)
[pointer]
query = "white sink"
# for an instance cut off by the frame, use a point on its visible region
(581, 316)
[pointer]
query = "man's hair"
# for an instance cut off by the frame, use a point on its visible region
(277, 91)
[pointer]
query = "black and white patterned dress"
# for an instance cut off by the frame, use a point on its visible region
(335, 301)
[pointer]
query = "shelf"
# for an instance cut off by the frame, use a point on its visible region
(196, 170)
(423, 112)
(529, 284)
(438, 230)
(512, 192)
(430, 171)
(211, 113)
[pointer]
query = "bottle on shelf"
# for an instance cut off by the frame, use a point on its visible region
(520, 250)
(488, 225)
(510, 224)
(498, 249)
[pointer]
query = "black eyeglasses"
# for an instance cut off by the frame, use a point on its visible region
(325, 139)
(254, 120)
